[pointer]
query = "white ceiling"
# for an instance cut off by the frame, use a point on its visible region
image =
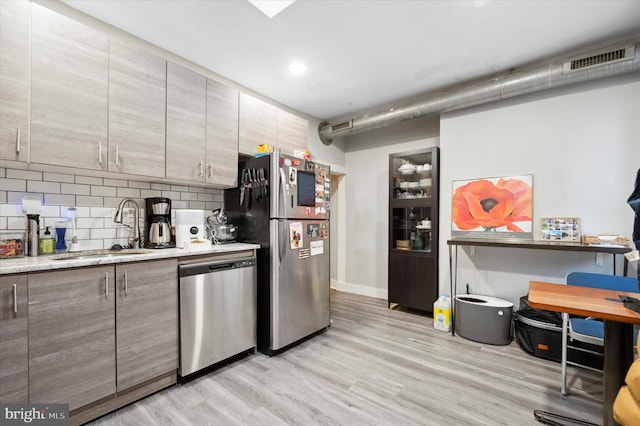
(363, 54)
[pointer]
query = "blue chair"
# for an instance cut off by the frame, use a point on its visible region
(589, 330)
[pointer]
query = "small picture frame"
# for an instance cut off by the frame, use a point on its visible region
(560, 229)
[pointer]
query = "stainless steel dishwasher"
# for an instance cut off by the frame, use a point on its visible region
(217, 312)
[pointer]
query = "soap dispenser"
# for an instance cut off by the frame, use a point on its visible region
(47, 242)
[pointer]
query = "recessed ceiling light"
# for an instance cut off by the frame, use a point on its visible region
(271, 7)
(297, 68)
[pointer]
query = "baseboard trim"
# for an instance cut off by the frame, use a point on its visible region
(362, 290)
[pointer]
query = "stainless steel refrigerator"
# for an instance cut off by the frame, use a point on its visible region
(282, 204)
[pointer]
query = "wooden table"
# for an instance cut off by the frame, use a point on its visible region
(618, 327)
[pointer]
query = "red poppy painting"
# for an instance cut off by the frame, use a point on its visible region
(499, 207)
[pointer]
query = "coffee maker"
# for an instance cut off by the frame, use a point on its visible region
(157, 229)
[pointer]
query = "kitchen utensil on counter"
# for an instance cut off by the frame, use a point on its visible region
(47, 242)
(33, 234)
(217, 217)
(218, 229)
(31, 206)
(71, 217)
(224, 233)
(189, 226)
(157, 230)
(61, 230)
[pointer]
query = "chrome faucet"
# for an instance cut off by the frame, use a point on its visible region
(135, 241)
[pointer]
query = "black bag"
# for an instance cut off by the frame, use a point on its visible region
(539, 333)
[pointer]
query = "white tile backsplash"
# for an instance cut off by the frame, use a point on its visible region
(58, 177)
(95, 199)
(41, 186)
(74, 188)
(24, 174)
(58, 199)
(103, 191)
(89, 180)
(13, 184)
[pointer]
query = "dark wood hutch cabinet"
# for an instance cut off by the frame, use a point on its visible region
(413, 228)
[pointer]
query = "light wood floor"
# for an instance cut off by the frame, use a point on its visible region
(374, 366)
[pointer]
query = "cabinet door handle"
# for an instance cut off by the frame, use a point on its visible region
(117, 155)
(201, 168)
(18, 141)
(99, 152)
(126, 283)
(106, 285)
(15, 298)
(210, 168)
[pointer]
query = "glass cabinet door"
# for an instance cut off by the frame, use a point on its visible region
(411, 176)
(411, 229)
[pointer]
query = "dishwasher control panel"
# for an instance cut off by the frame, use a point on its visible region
(215, 266)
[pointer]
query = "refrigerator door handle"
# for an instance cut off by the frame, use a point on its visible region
(282, 198)
(282, 244)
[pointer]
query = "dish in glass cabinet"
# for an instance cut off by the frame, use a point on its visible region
(403, 244)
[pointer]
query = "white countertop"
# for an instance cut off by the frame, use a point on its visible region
(49, 262)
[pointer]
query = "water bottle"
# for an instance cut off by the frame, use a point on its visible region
(442, 313)
(61, 230)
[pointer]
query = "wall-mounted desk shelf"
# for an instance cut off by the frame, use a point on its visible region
(533, 245)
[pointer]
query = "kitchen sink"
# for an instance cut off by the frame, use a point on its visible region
(94, 254)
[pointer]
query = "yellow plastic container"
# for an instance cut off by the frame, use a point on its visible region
(442, 313)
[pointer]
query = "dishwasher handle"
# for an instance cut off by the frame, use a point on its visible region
(212, 267)
(221, 266)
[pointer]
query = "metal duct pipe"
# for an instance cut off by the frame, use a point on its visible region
(617, 60)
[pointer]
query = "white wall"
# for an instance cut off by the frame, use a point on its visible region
(581, 145)
(364, 252)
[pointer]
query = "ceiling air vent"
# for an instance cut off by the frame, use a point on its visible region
(342, 126)
(602, 58)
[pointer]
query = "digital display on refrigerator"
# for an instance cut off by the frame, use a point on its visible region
(306, 189)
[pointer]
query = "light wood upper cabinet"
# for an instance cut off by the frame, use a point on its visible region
(14, 340)
(257, 124)
(147, 321)
(137, 99)
(69, 92)
(292, 132)
(186, 124)
(72, 336)
(222, 134)
(14, 80)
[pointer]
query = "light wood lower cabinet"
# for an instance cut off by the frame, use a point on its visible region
(72, 336)
(100, 331)
(146, 321)
(14, 334)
